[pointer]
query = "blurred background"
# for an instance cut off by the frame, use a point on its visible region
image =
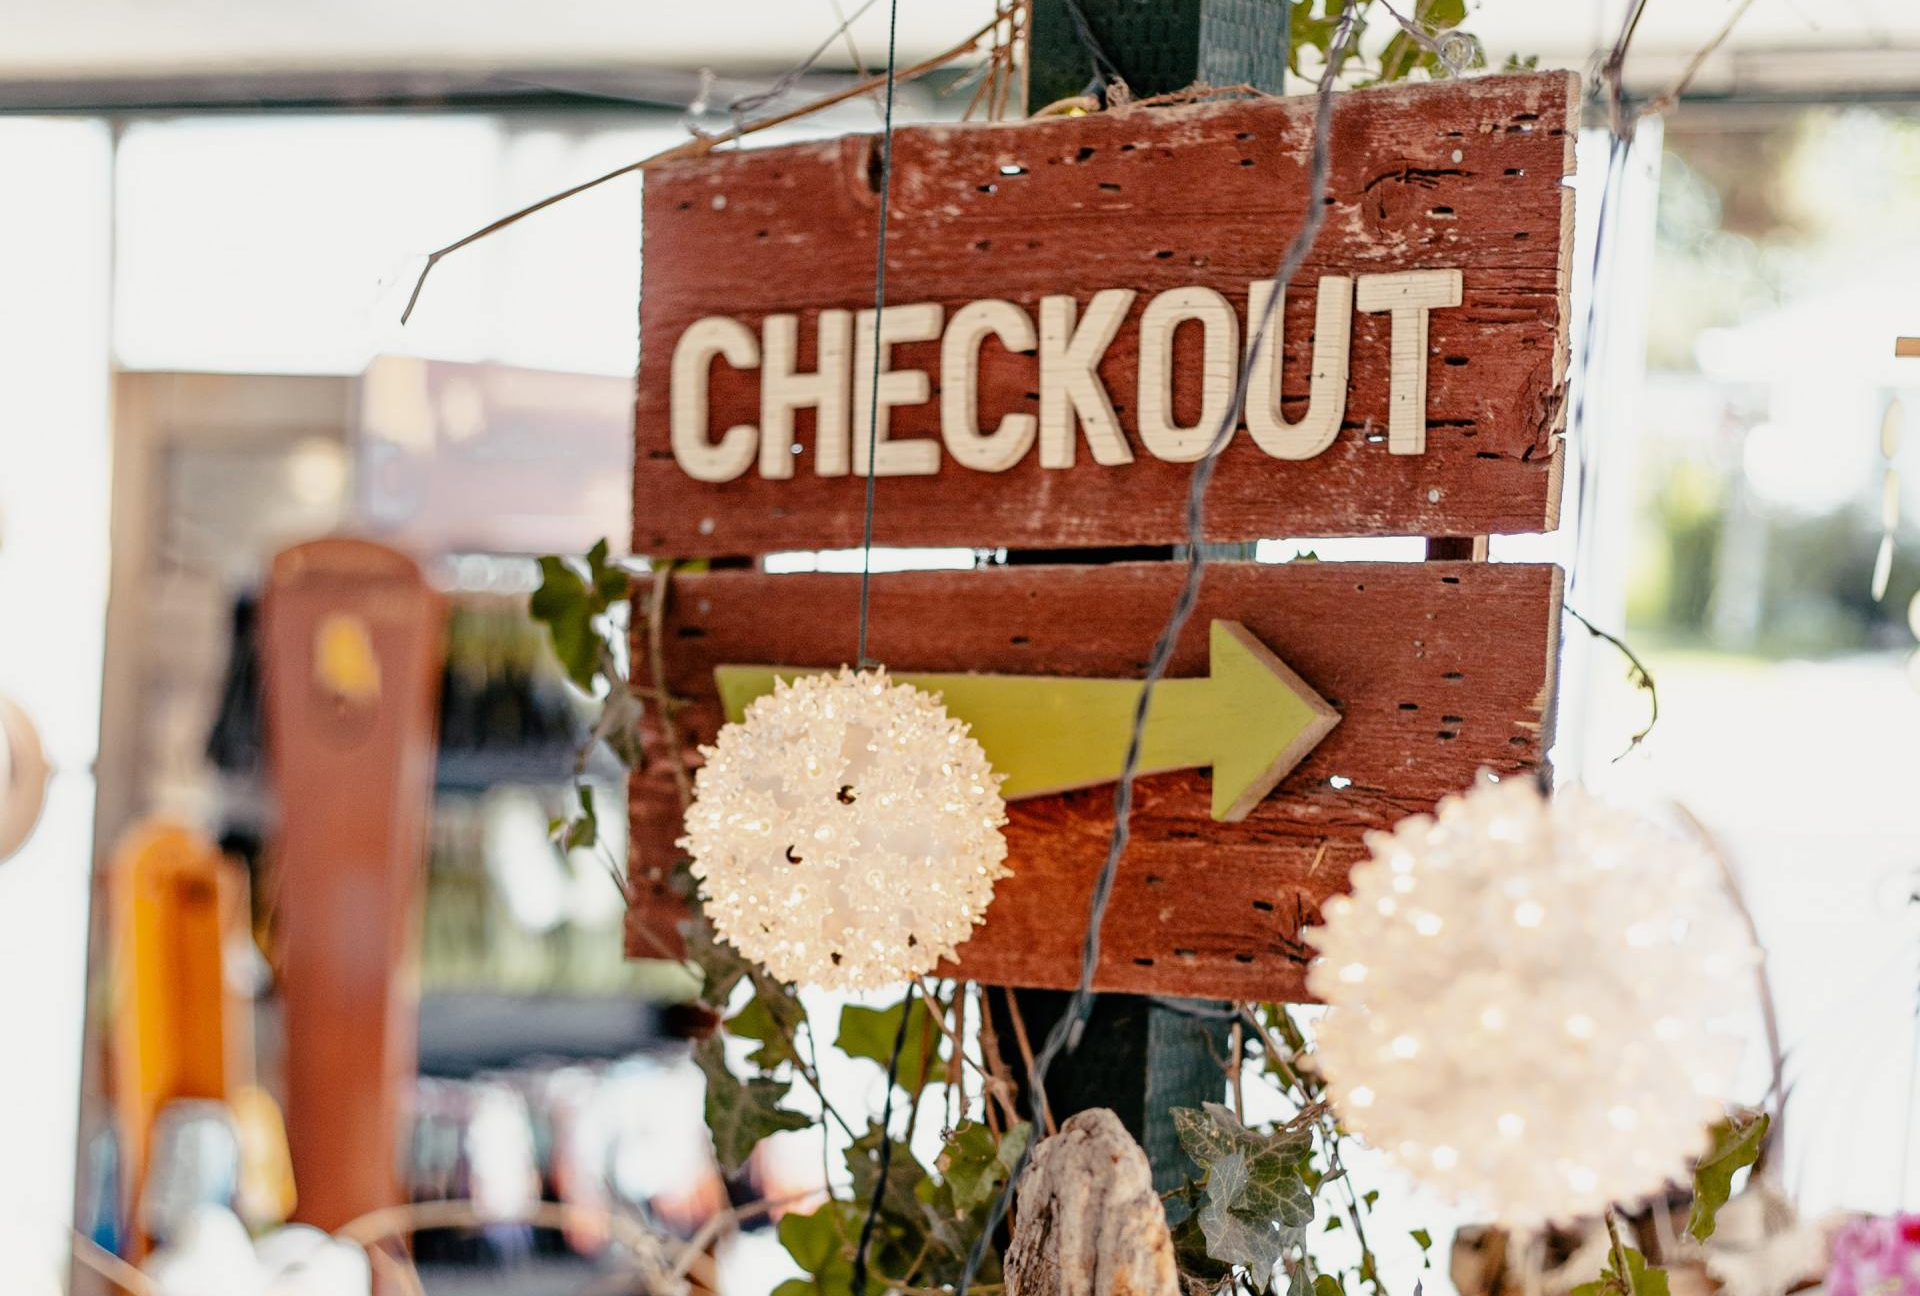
(213, 215)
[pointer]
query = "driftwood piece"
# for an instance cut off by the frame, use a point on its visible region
(1090, 1223)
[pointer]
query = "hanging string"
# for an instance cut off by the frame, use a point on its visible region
(1066, 1032)
(884, 1162)
(885, 1159)
(879, 305)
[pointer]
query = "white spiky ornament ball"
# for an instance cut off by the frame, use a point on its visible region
(846, 832)
(1533, 1005)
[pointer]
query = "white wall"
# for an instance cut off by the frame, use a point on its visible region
(54, 443)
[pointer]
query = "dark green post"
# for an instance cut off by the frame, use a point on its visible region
(1140, 1056)
(1155, 46)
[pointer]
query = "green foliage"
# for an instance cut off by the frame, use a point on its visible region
(821, 1244)
(573, 603)
(870, 1032)
(772, 1018)
(1638, 1280)
(741, 1113)
(1736, 1145)
(1315, 23)
(581, 832)
(1257, 1200)
(973, 1165)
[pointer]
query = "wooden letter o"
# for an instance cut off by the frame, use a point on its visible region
(1218, 370)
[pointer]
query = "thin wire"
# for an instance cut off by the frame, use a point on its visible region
(1104, 70)
(747, 103)
(879, 305)
(859, 1276)
(1066, 1032)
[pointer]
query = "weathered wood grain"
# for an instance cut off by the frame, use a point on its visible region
(1438, 669)
(1467, 175)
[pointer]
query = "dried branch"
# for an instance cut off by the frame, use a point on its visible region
(1637, 672)
(697, 145)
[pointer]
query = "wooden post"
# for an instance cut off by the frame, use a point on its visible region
(354, 640)
(1156, 48)
(1138, 1057)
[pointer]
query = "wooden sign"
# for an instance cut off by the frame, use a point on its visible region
(353, 647)
(1068, 310)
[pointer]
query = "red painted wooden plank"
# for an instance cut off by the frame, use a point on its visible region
(1466, 175)
(1438, 669)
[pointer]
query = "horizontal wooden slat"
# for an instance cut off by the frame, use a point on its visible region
(1438, 670)
(1466, 175)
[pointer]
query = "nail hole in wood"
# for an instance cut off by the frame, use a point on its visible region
(1109, 186)
(1453, 675)
(1143, 962)
(1264, 906)
(1243, 958)
(1447, 735)
(1453, 720)
(1409, 706)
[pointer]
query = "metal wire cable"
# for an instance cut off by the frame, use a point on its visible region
(1066, 1032)
(858, 1280)
(879, 305)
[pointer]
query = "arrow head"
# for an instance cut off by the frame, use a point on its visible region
(1269, 719)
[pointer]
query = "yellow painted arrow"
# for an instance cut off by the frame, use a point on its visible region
(1252, 720)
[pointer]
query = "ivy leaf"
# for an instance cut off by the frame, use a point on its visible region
(818, 1243)
(582, 832)
(869, 1033)
(1258, 1201)
(1639, 1280)
(1202, 1137)
(771, 1017)
(741, 1113)
(1236, 1238)
(1328, 1285)
(611, 584)
(563, 604)
(1191, 1257)
(1735, 1146)
(973, 1165)
(909, 1219)
(571, 604)
(1274, 1164)
(720, 964)
(619, 724)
